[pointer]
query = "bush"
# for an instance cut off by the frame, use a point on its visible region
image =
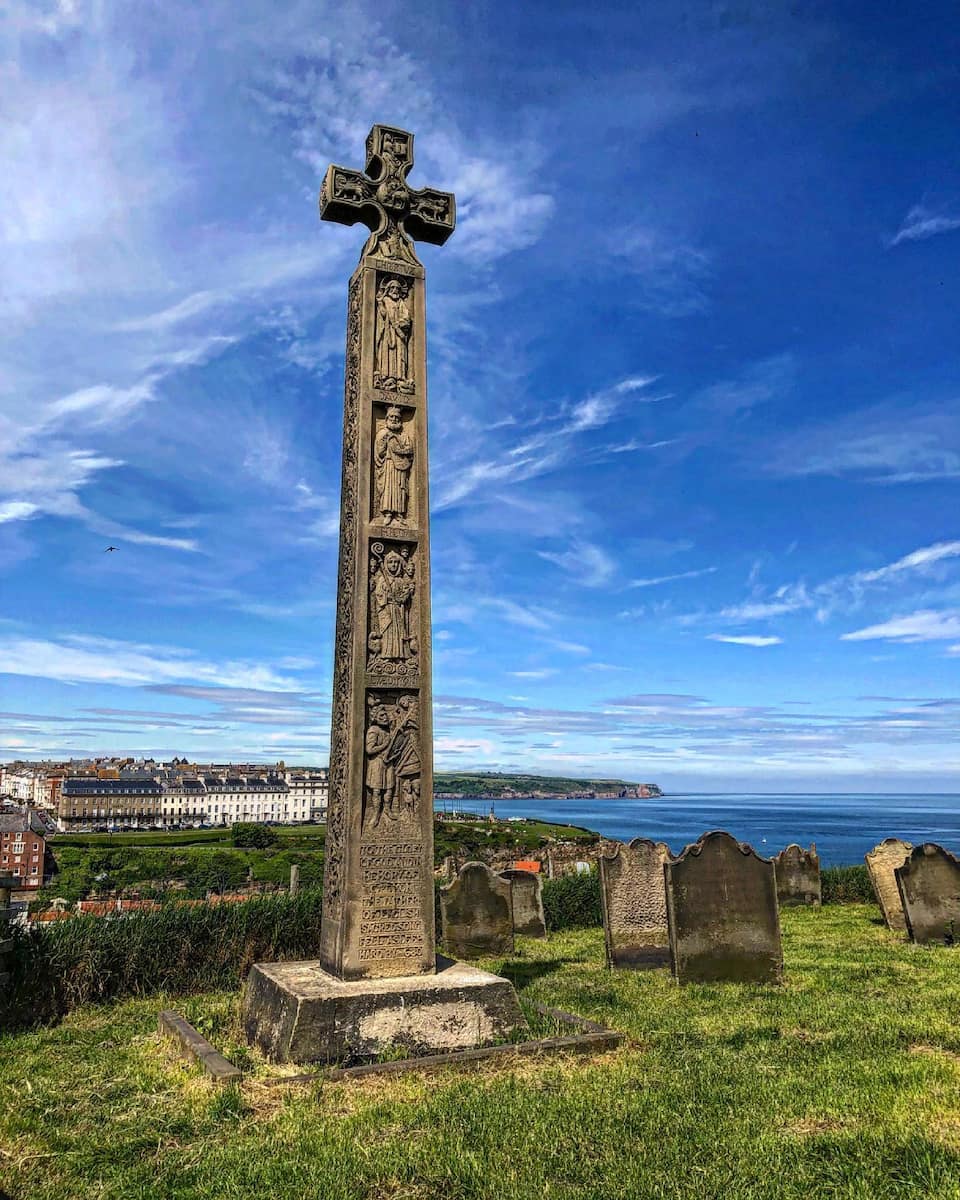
(178, 949)
(572, 901)
(846, 885)
(251, 836)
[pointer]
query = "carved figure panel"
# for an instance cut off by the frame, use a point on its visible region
(392, 763)
(393, 458)
(393, 348)
(392, 644)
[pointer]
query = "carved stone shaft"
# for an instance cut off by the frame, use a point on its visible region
(378, 906)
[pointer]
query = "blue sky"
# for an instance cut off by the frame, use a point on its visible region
(694, 422)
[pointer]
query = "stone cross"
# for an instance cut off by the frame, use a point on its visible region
(378, 901)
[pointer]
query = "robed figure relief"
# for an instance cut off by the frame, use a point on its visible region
(393, 766)
(392, 645)
(393, 459)
(394, 330)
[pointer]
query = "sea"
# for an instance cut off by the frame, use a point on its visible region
(843, 825)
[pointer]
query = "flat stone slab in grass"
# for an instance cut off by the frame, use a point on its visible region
(881, 862)
(296, 1012)
(929, 886)
(722, 913)
(634, 898)
(526, 896)
(798, 876)
(476, 913)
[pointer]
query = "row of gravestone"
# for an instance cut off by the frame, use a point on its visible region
(918, 888)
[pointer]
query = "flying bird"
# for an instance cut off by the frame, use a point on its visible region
(109, 548)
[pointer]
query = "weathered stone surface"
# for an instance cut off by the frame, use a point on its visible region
(297, 1012)
(476, 913)
(526, 897)
(882, 861)
(378, 907)
(798, 875)
(929, 887)
(634, 898)
(722, 913)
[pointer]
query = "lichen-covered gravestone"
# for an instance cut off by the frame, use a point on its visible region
(526, 896)
(882, 861)
(634, 898)
(798, 875)
(722, 913)
(476, 913)
(929, 886)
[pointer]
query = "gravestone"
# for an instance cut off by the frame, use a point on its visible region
(722, 913)
(882, 861)
(634, 898)
(476, 913)
(377, 940)
(526, 898)
(798, 876)
(7, 885)
(929, 887)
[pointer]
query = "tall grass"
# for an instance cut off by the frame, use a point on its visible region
(56, 968)
(846, 885)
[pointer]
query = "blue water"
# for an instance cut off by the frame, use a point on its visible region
(844, 826)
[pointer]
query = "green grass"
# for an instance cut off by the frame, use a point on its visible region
(179, 837)
(842, 1083)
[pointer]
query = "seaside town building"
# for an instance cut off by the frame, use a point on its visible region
(145, 794)
(23, 848)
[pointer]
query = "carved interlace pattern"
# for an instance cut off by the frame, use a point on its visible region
(337, 805)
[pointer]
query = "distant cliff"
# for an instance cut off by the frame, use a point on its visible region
(449, 785)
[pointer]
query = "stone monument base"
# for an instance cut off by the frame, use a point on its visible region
(296, 1012)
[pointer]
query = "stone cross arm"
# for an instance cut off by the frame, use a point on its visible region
(380, 197)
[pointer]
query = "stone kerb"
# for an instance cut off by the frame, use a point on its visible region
(476, 913)
(722, 913)
(798, 876)
(929, 886)
(882, 861)
(526, 898)
(634, 899)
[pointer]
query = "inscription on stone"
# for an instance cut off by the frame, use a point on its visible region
(722, 913)
(634, 898)
(882, 861)
(929, 886)
(798, 876)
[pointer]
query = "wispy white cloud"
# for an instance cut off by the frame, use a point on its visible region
(584, 563)
(658, 579)
(106, 660)
(923, 222)
(925, 625)
(745, 639)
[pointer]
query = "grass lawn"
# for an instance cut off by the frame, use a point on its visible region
(844, 1082)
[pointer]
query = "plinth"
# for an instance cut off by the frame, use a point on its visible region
(296, 1012)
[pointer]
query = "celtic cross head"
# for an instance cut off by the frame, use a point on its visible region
(380, 198)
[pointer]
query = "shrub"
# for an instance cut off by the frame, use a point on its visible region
(252, 836)
(572, 901)
(178, 949)
(846, 885)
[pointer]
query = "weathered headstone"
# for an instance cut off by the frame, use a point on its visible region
(798, 876)
(526, 896)
(929, 886)
(634, 898)
(294, 879)
(378, 901)
(476, 913)
(7, 884)
(722, 913)
(882, 861)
